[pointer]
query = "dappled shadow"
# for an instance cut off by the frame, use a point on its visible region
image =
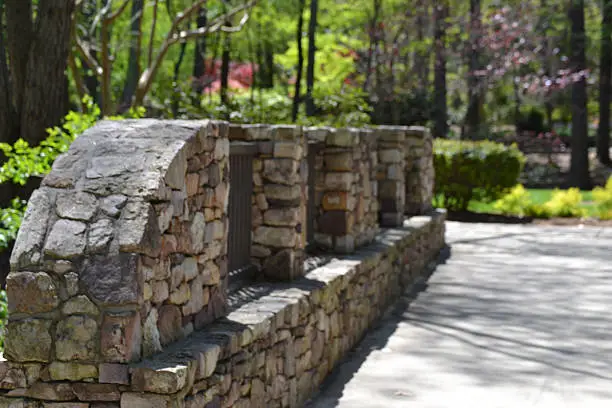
(517, 311)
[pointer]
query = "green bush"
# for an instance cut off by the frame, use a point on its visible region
(467, 170)
(603, 200)
(516, 202)
(566, 203)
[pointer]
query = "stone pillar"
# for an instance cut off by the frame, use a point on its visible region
(279, 198)
(391, 174)
(347, 207)
(420, 175)
(121, 252)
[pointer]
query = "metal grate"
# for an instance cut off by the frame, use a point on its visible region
(240, 196)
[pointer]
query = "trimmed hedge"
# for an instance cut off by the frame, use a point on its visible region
(467, 170)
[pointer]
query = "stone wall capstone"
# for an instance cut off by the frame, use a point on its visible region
(122, 251)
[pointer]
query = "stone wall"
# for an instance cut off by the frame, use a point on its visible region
(346, 204)
(122, 251)
(419, 170)
(279, 198)
(118, 284)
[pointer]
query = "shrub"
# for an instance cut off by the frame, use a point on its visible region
(603, 200)
(468, 170)
(516, 202)
(566, 203)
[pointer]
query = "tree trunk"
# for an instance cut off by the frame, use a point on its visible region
(473, 120)
(8, 133)
(90, 78)
(300, 64)
(133, 70)
(440, 128)
(176, 97)
(579, 172)
(199, 55)
(39, 69)
(547, 55)
(19, 27)
(225, 67)
(605, 76)
(312, 49)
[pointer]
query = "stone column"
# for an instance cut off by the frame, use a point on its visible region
(391, 174)
(419, 170)
(121, 252)
(279, 198)
(347, 207)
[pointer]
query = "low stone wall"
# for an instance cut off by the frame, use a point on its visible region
(118, 291)
(271, 350)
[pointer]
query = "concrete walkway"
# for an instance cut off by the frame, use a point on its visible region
(518, 316)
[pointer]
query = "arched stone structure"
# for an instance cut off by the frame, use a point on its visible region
(122, 249)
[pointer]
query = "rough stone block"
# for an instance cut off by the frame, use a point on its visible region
(114, 373)
(75, 338)
(28, 340)
(66, 239)
(277, 237)
(336, 223)
(76, 206)
(31, 235)
(59, 371)
(96, 392)
(31, 293)
(120, 337)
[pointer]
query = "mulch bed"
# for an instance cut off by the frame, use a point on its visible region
(472, 217)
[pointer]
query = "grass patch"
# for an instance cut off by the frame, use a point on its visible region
(538, 196)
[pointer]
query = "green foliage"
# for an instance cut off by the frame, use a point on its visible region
(345, 108)
(466, 170)
(603, 200)
(516, 202)
(10, 220)
(519, 202)
(566, 203)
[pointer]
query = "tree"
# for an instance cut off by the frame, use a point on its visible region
(38, 46)
(297, 97)
(473, 119)
(579, 172)
(605, 77)
(312, 50)
(440, 113)
(133, 72)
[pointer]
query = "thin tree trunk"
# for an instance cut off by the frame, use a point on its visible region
(547, 53)
(371, 46)
(605, 76)
(473, 120)
(8, 133)
(579, 172)
(199, 56)
(312, 49)
(133, 71)
(225, 67)
(175, 81)
(300, 63)
(91, 78)
(44, 95)
(440, 128)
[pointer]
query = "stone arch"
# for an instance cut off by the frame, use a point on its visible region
(122, 249)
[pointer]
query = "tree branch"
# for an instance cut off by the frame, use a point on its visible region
(89, 59)
(118, 12)
(173, 37)
(152, 34)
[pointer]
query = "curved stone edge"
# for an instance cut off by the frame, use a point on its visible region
(102, 267)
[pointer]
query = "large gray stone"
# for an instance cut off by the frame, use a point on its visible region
(66, 239)
(99, 235)
(76, 206)
(31, 235)
(112, 280)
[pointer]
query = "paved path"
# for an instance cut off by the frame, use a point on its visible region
(519, 316)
